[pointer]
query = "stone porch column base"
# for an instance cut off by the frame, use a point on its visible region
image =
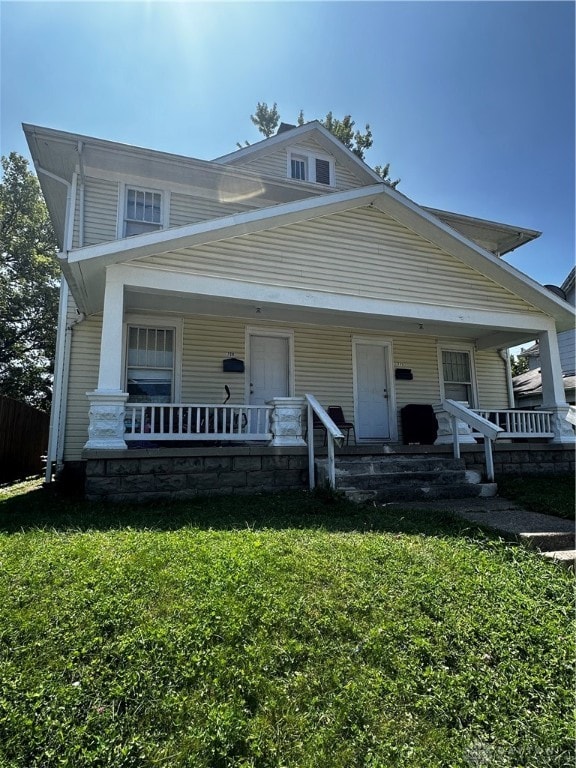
(445, 435)
(287, 421)
(562, 428)
(106, 428)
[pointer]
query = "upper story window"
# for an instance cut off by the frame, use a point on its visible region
(299, 168)
(306, 166)
(143, 211)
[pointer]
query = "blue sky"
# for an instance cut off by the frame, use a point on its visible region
(471, 102)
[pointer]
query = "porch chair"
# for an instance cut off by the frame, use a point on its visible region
(337, 415)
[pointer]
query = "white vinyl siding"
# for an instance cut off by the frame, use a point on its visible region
(491, 379)
(322, 366)
(567, 348)
(274, 164)
(100, 211)
(84, 362)
(187, 209)
(361, 253)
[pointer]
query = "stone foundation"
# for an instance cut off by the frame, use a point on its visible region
(523, 459)
(147, 476)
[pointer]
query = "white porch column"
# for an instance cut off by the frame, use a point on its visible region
(287, 421)
(553, 395)
(106, 428)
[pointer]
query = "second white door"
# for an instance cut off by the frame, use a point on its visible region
(372, 409)
(269, 368)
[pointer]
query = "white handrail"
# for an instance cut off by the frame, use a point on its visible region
(333, 436)
(488, 429)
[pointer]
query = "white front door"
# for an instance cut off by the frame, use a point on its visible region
(372, 393)
(269, 368)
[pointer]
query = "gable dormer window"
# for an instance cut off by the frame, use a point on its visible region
(143, 211)
(299, 168)
(307, 166)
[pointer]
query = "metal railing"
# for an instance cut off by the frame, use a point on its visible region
(333, 435)
(180, 421)
(486, 428)
(520, 424)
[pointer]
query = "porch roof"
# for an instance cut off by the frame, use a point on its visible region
(85, 267)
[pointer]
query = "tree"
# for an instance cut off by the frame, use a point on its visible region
(518, 364)
(29, 281)
(266, 119)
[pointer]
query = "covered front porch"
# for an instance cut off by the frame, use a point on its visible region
(165, 340)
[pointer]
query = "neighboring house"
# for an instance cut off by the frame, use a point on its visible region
(282, 269)
(528, 386)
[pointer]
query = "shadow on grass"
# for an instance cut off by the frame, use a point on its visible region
(47, 509)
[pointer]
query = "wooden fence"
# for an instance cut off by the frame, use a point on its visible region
(23, 439)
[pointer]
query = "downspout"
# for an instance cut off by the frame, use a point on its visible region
(63, 334)
(505, 355)
(59, 367)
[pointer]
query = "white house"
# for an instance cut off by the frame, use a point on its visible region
(281, 270)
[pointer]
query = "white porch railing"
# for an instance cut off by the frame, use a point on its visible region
(333, 434)
(179, 421)
(486, 428)
(520, 424)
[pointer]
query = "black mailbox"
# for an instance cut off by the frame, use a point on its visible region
(232, 365)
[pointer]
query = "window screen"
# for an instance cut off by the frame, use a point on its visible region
(143, 211)
(457, 376)
(150, 365)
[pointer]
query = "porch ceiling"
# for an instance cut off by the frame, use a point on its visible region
(181, 303)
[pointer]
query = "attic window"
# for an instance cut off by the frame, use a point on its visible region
(298, 168)
(306, 166)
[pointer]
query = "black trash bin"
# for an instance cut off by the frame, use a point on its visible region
(419, 424)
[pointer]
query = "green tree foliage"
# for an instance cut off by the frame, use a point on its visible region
(518, 364)
(29, 281)
(266, 119)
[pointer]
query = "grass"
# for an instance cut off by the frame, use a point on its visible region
(296, 631)
(552, 494)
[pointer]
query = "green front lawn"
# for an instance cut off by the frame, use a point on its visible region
(550, 494)
(260, 632)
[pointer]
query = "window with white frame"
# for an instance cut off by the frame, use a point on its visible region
(457, 376)
(306, 166)
(142, 211)
(299, 167)
(150, 364)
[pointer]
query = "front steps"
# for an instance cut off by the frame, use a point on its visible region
(391, 478)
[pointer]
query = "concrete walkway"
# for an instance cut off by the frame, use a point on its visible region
(552, 536)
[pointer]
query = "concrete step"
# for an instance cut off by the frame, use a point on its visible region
(405, 479)
(380, 464)
(549, 541)
(565, 557)
(405, 492)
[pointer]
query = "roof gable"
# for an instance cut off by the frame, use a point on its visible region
(310, 132)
